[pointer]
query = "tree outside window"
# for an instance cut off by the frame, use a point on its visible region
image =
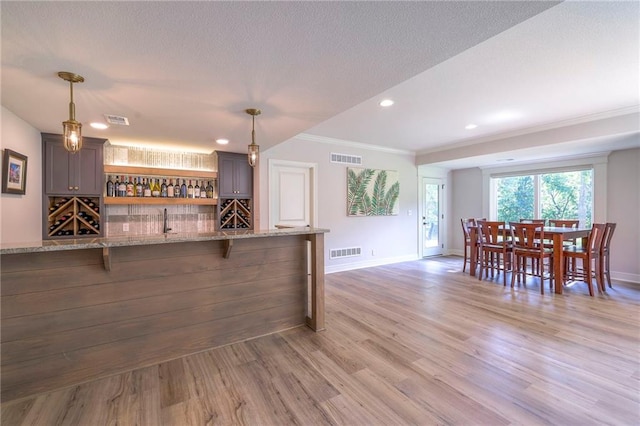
(564, 195)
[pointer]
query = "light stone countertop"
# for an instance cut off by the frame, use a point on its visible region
(142, 240)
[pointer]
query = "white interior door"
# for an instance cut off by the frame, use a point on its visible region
(432, 215)
(292, 194)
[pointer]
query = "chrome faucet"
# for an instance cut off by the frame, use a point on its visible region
(165, 227)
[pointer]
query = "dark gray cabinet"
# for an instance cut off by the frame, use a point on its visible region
(235, 191)
(72, 174)
(72, 188)
(235, 176)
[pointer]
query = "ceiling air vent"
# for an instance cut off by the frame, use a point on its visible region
(116, 119)
(345, 252)
(346, 159)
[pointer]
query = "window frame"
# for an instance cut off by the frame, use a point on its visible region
(597, 163)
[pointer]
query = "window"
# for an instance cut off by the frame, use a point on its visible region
(558, 195)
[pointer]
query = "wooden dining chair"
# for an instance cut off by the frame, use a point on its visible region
(605, 252)
(466, 223)
(494, 249)
(525, 238)
(564, 223)
(590, 258)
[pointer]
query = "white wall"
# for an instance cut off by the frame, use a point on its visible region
(392, 238)
(616, 199)
(21, 215)
(623, 199)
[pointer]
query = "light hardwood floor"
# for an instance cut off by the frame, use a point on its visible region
(412, 343)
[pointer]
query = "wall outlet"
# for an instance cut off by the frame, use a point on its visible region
(125, 227)
(373, 252)
(409, 212)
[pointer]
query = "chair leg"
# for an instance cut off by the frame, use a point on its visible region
(515, 269)
(586, 265)
(505, 263)
(598, 275)
(464, 264)
(607, 269)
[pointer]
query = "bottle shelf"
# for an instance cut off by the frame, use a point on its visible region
(235, 214)
(159, 201)
(73, 217)
(155, 171)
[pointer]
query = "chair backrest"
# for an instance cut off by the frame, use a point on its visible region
(538, 221)
(609, 228)
(466, 223)
(527, 235)
(564, 223)
(491, 232)
(595, 238)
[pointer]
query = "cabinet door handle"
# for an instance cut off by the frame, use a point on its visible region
(76, 188)
(70, 188)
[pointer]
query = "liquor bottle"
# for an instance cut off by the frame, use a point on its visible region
(155, 188)
(116, 187)
(183, 189)
(122, 188)
(109, 187)
(190, 190)
(130, 187)
(163, 189)
(147, 188)
(139, 188)
(170, 193)
(209, 190)
(196, 190)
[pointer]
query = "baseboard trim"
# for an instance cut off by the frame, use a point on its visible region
(623, 276)
(367, 264)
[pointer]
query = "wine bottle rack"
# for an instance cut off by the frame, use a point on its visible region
(73, 217)
(235, 213)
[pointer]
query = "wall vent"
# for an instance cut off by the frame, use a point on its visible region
(346, 159)
(345, 252)
(116, 119)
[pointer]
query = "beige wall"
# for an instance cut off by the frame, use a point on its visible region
(623, 208)
(21, 215)
(383, 239)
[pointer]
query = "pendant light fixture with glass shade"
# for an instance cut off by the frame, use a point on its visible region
(72, 130)
(254, 149)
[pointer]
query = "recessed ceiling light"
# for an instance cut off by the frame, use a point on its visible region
(503, 116)
(470, 126)
(386, 103)
(222, 141)
(100, 126)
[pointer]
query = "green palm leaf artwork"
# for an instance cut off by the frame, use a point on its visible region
(372, 192)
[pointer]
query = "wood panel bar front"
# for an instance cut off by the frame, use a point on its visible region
(67, 318)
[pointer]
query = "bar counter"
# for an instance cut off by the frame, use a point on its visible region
(77, 310)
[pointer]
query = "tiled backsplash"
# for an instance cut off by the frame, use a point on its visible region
(128, 220)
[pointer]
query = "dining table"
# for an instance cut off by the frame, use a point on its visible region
(557, 234)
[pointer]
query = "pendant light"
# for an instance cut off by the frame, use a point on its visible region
(254, 149)
(72, 130)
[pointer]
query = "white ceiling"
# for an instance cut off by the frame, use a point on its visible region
(183, 72)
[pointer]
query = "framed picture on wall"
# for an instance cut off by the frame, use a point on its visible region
(14, 172)
(372, 192)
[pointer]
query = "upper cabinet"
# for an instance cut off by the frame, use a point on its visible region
(72, 174)
(235, 176)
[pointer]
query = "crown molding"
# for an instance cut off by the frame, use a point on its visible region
(634, 109)
(350, 144)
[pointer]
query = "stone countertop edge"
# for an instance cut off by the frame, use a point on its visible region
(143, 240)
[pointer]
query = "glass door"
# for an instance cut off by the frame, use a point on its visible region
(432, 217)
